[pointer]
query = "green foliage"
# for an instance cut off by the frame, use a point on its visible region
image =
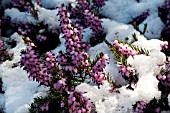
(54, 99)
(112, 83)
(136, 27)
(93, 62)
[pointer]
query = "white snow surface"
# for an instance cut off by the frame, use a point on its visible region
(124, 12)
(55, 3)
(18, 16)
(49, 17)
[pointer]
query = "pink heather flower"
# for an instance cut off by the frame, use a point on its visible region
(97, 71)
(124, 49)
(165, 77)
(41, 38)
(60, 84)
(140, 107)
(4, 53)
(75, 47)
(78, 103)
(50, 61)
(44, 107)
(164, 45)
(98, 3)
(31, 63)
(93, 22)
(126, 71)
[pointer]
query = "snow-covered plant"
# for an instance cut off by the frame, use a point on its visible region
(161, 104)
(66, 71)
(4, 53)
(122, 51)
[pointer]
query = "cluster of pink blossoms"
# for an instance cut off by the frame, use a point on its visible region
(76, 49)
(85, 14)
(44, 107)
(60, 84)
(4, 53)
(97, 70)
(164, 45)
(78, 103)
(98, 3)
(126, 71)
(50, 61)
(41, 38)
(31, 63)
(25, 5)
(63, 73)
(77, 11)
(93, 22)
(165, 77)
(84, 4)
(140, 107)
(125, 49)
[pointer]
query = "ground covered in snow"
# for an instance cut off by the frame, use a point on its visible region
(20, 91)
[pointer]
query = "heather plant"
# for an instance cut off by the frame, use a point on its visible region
(95, 24)
(163, 77)
(161, 104)
(164, 11)
(40, 37)
(139, 107)
(164, 14)
(154, 106)
(66, 71)
(4, 53)
(122, 51)
(98, 3)
(40, 33)
(25, 5)
(86, 15)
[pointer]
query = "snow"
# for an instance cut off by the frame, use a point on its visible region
(55, 3)
(124, 11)
(18, 16)
(118, 13)
(116, 30)
(154, 27)
(48, 17)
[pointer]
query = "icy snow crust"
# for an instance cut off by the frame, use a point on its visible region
(20, 91)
